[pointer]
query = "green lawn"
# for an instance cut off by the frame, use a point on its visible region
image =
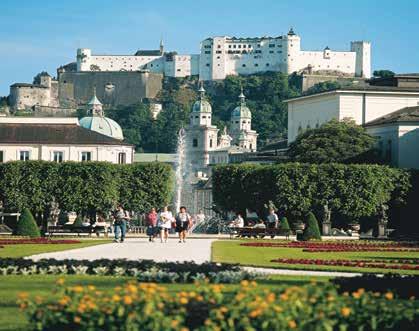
(31, 249)
(231, 252)
(12, 319)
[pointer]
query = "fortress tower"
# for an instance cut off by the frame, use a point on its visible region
(363, 58)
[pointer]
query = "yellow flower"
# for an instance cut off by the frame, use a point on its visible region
(183, 301)
(184, 329)
(244, 283)
(192, 294)
(389, 296)
(64, 300)
(223, 309)
(174, 323)
(132, 288)
(23, 295)
(283, 297)
(292, 324)
(116, 298)
(345, 311)
(330, 298)
(78, 289)
(356, 295)
(271, 297)
(91, 288)
(77, 319)
(127, 300)
(253, 283)
(60, 281)
(199, 298)
(160, 305)
(361, 291)
(278, 309)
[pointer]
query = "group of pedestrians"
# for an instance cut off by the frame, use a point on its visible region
(160, 224)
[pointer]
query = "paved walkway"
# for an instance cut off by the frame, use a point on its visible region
(197, 250)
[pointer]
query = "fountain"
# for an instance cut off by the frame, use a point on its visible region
(180, 168)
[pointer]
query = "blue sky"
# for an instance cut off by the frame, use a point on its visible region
(38, 35)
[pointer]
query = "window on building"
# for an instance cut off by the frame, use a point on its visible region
(218, 52)
(218, 57)
(239, 46)
(204, 117)
(58, 157)
(271, 45)
(229, 46)
(178, 70)
(207, 46)
(258, 51)
(234, 46)
(243, 65)
(24, 155)
(256, 65)
(267, 64)
(258, 45)
(1, 156)
(122, 158)
(250, 146)
(207, 64)
(271, 52)
(218, 46)
(210, 143)
(86, 156)
(195, 142)
(244, 46)
(207, 52)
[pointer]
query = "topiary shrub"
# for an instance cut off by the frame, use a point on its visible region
(284, 226)
(26, 226)
(311, 230)
(78, 222)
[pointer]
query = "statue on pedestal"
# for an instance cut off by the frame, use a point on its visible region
(54, 211)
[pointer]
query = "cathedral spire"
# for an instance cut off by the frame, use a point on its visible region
(161, 46)
(242, 97)
(201, 90)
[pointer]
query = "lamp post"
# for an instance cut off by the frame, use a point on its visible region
(155, 109)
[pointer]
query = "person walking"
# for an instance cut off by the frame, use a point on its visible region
(120, 223)
(272, 222)
(151, 220)
(164, 223)
(183, 220)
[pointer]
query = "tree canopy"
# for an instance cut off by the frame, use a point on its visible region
(383, 73)
(334, 141)
(264, 92)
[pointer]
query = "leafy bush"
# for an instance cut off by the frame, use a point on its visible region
(78, 221)
(311, 230)
(85, 187)
(284, 226)
(147, 306)
(354, 190)
(26, 226)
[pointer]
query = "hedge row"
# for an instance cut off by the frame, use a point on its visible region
(354, 190)
(84, 187)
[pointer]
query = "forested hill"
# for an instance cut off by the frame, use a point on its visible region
(264, 96)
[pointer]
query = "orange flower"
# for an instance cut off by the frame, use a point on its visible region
(116, 298)
(356, 295)
(283, 297)
(127, 300)
(78, 289)
(77, 319)
(183, 301)
(244, 283)
(292, 324)
(174, 323)
(23, 295)
(345, 311)
(255, 313)
(389, 296)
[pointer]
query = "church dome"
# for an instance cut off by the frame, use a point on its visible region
(241, 110)
(102, 125)
(98, 122)
(201, 105)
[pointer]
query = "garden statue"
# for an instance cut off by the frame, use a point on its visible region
(326, 224)
(54, 211)
(382, 221)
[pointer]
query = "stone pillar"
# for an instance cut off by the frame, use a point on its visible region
(382, 227)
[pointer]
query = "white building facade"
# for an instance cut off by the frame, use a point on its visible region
(360, 104)
(223, 56)
(58, 140)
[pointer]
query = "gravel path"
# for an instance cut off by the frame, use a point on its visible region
(197, 250)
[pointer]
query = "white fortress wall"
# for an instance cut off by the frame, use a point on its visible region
(328, 60)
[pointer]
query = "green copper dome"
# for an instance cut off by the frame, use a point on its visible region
(242, 110)
(103, 125)
(201, 105)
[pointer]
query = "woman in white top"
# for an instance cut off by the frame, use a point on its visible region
(164, 223)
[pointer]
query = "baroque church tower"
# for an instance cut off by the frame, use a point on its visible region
(241, 126)
(201, 134)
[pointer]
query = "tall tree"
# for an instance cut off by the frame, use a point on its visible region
(334, 141)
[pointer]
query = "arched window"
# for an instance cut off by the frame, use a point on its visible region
(195, 142)
(210, 143)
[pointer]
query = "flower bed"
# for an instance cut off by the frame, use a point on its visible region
(340, 246)
(37, 241)
(143, 270)
(405, 286)
(383, 264)
(140, 306)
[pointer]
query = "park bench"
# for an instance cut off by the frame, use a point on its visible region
(61, 229)
(249, 232)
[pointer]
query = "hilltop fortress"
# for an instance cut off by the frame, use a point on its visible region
(127, 79)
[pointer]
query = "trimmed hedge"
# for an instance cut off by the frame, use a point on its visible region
(26, 226)
(284, 226)
(311, 230)
(355, 191)
(85, 187)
